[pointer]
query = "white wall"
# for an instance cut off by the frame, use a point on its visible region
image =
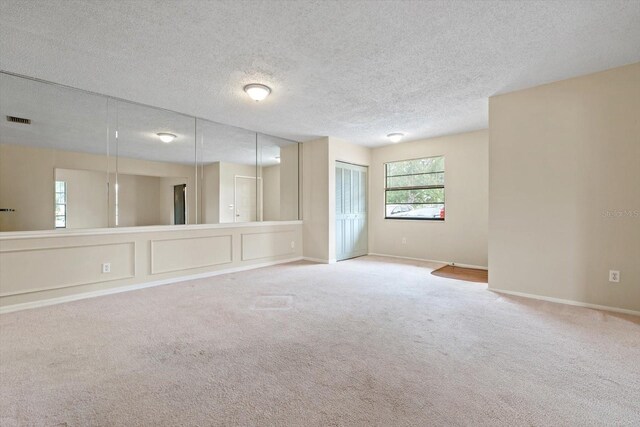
(565, 189)
(462, 237)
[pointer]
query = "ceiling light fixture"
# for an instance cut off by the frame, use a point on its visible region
(166, 137)
(395, 137)
(257, 91)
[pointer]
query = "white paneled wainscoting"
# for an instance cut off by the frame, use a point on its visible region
(49, 267)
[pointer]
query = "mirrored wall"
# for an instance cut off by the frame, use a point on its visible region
(70, 159)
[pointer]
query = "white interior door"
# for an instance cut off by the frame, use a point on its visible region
(351, 211)
(245, 202)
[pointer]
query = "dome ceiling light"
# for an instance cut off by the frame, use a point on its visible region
(395, 137)
(166, 137)
(257, 91)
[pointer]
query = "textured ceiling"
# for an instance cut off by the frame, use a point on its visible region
(73, 120)
(356, 70)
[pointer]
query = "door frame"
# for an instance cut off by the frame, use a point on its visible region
(184, 203)
(258, 180)
(366, 213)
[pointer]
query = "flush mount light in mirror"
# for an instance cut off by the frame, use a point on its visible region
(166, 137)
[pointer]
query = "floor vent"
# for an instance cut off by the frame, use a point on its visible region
(14, 119)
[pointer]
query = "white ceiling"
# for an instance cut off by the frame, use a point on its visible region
(73, 120)
(356, 70)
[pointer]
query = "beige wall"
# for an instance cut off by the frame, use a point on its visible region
(139, 200)
(315, 199)
(27, 175)
(166, 198)
(343, 151)
(289, 179)
(66, 263)
(271, 180)
(211, 194)
(26, 183)
(143, 200)
(86, 198)
(318, 187)
(565, 189)
(228, 173)
(462, 237)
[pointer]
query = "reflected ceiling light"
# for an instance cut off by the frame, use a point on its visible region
(166, 137)
(257, 92)
(395, 137)
(277, 159)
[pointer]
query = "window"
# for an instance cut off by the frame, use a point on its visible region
(61, 204)
(414, 189)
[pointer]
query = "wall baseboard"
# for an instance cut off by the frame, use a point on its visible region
(318, 260)
(478, 267)
(117, 290)
(566, 301)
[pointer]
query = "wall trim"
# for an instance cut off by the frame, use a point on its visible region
(318, 260)
(119, 289)
(457, 264)
(567, 302)
(93, 282)
(41, 234)
(243, 244)
(153, 270)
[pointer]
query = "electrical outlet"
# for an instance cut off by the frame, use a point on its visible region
(614, 276)
(293, 244)
(106, 267)
(404, 240)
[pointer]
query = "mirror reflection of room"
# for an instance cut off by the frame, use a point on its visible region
(241, 175)
(278, 161)
(76, 160)
(43, 128)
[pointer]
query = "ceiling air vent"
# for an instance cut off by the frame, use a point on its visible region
(14, 119)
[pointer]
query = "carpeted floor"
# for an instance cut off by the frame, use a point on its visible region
(365, 342)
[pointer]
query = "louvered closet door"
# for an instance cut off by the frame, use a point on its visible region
(351, 211)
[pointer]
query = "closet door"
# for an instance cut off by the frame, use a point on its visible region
(351, 211)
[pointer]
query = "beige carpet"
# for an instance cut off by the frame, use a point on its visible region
(366, 342)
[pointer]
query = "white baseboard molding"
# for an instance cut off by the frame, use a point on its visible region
(318, 260)
(478, 267)
(567, 302)
(117, 290)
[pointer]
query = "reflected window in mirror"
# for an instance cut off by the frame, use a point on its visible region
(53, 127)
(61, 204)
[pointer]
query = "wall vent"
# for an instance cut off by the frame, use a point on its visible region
(14, 119)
